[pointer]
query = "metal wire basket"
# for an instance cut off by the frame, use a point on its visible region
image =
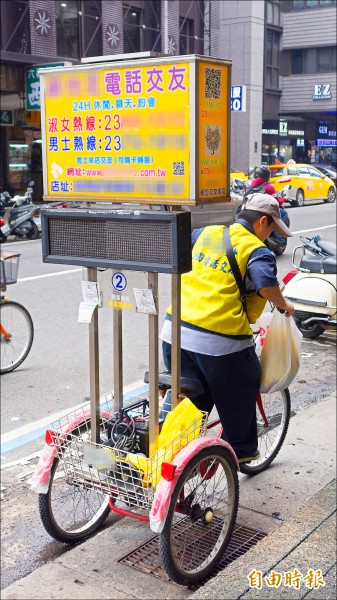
(126, 476)
(9, 266)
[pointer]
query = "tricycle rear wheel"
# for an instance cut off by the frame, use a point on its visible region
(201, 516)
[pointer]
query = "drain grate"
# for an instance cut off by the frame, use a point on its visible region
(145, 558)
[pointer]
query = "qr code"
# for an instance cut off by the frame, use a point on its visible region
(179, 168)
(212, 83)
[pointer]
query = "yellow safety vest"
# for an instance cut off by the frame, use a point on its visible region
(210, 297)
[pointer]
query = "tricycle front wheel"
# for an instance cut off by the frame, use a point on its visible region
(201, 516)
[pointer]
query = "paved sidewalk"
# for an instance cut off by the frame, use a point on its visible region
(294, 501)
(307, 541)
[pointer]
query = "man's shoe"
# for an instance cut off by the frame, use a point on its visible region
(249, 459)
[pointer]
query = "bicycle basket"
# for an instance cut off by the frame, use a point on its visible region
(130, 478)
(9, 266)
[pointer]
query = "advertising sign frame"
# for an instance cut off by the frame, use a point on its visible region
(199, 127)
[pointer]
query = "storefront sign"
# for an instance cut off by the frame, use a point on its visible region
(290, 129)
(269, 131)
(322, 91)
(326, 130)
(238, 98)
(6, 117)
(33, 118)
(283, 128)
(213, 149)
(129, 132)
(33, 84)
(326, 142)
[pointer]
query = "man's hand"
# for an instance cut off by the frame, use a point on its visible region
(274, 295)
(290, 308)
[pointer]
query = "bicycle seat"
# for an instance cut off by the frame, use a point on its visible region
(187, 384)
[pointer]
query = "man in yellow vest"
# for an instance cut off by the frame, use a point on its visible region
(217, 346)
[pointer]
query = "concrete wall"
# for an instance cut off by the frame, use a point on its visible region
(242, 40)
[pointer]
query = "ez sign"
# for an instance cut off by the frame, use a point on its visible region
(322, 91)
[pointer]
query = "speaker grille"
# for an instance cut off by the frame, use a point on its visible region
(135, 242)
(143, 241)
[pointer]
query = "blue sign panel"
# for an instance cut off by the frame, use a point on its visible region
(238, 98)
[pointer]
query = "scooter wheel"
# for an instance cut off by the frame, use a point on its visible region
(33, 233)
(278, 250)
(3, 238)
(311, 332)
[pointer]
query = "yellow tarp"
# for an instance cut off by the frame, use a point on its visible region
(181, 426)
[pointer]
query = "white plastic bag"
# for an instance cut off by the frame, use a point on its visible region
(281, 354)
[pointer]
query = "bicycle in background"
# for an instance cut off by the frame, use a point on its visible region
(16, 325)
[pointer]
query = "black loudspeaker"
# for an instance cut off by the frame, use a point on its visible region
(136, 240)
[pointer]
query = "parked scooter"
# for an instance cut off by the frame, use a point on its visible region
(275, 242)
(311, 286)
(21, 219)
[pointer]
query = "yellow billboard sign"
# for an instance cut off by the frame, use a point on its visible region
(128, 132)
(213, 118)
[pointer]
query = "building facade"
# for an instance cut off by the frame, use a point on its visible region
(306, 94)
(283, 52)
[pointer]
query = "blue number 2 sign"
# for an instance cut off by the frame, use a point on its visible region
(119, 282)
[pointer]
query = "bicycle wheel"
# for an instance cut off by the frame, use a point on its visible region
(271, 436)
(17, 324)
(70, 512)
(201, 516)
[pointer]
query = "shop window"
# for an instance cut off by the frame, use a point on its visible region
(273, 12)
(132, 30)
(323, 60)
(312, 4)
(313, 60)
(19, 165)
(272, 59)
(67, 28)
(186, 36)
(297, 62)
(15, 35)
(299, 4)
(92, 28)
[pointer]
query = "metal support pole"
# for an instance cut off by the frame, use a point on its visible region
(153, 368)
(94, 367)
(118, 359)
(175, 360)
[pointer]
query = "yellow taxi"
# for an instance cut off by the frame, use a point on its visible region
(234, 174)
(302, 182)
